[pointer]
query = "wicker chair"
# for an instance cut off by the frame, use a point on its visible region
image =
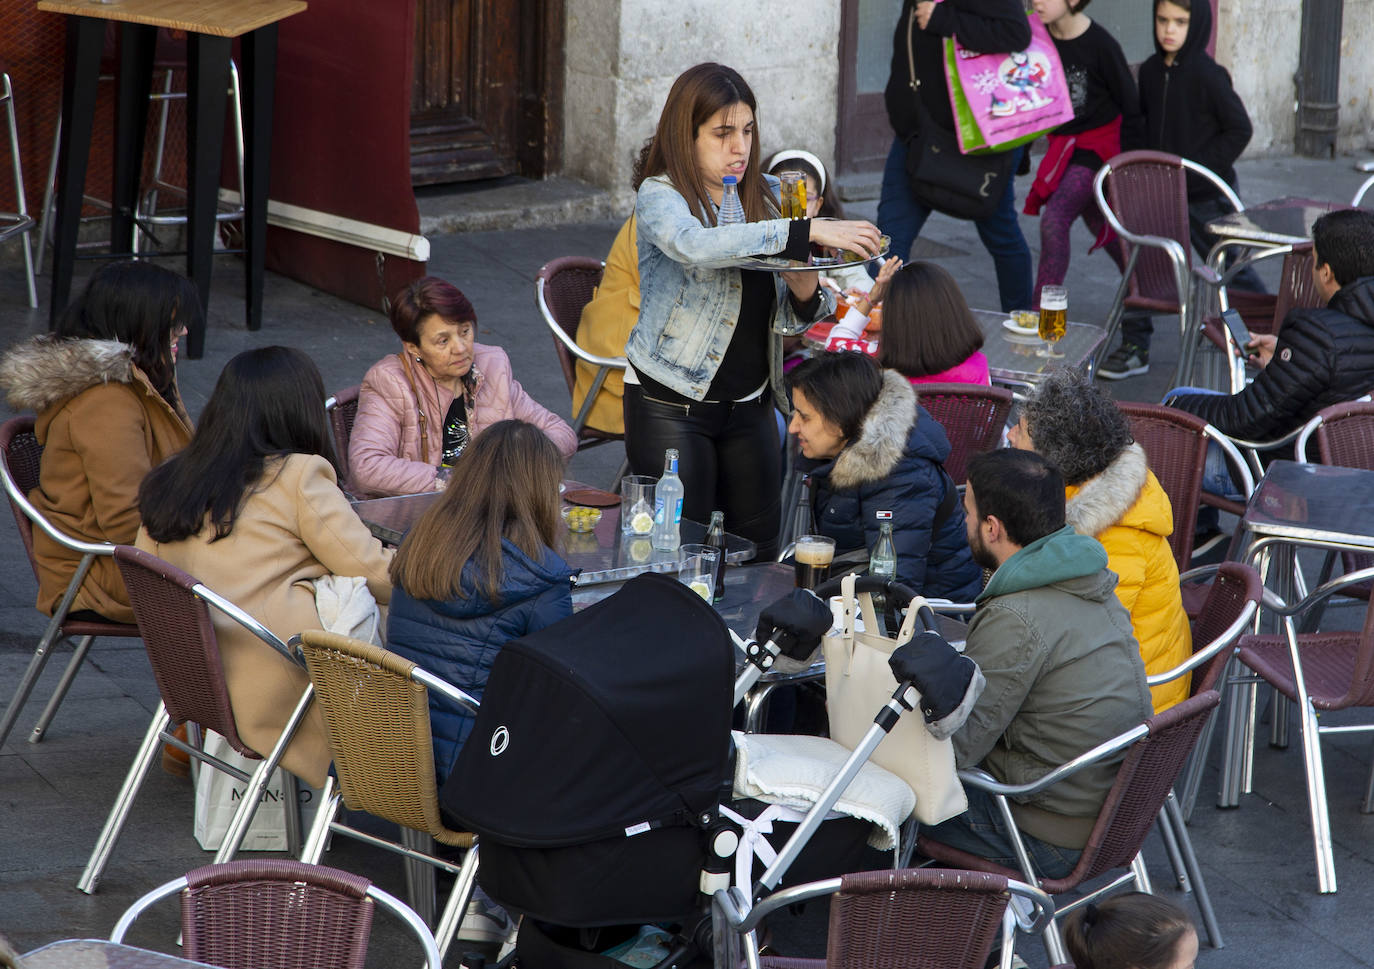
(1143, 195)
(973, 418)
(20, 457)
(919, 918)
(1155, 754)
(277, 914)
(1345, 439)
(172, 611)
(1319, 671)
(1175, 445)
(343, 411)
(376, 715)
(561, 289)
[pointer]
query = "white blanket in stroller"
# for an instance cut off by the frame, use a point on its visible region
(795, 770)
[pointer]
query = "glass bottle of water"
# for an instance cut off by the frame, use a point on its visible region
(731, 211)
(668, 492)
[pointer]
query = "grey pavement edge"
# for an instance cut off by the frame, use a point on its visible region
(1257, 859)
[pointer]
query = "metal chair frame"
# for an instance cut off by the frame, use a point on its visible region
(1241, 732)
(407, 915)
(18, 223)
(159, 732)
(742, 920)
(416, 847)
(26, 516)
(1188, 278)
(147, 216)
(342, 409)
(1362, 191)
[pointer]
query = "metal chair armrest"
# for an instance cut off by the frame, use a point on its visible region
(46, 527)
(984, 781)
(245, 620)
(1227, 639)
(445, 689)
(1275, 604)
(143, 904)
(1217, 181)
(614, 363)
(1235, 459)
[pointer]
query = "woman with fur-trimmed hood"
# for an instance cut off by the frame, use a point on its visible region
(1113, 496)
(105, 393)
(882, 452)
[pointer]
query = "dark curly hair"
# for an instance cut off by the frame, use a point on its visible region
(1075, 426)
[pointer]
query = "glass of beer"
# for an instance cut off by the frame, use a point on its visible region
(793, 195)
(1054, 319)
(813, 556)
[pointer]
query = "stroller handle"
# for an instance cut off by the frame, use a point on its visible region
(895, 591)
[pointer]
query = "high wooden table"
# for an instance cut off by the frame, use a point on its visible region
(211, 27)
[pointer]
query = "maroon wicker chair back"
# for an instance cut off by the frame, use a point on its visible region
(1297, 288)
(1148, 192)
(181, 643)
(1234, 586)
(1175, 449)
(569, 283)
(1345, 439)
(275, 914)
(341, 418)
(1144, 780)
(916, 918)
(22, 454)
(973, 418)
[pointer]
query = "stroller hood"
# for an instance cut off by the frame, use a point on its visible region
(610, 723)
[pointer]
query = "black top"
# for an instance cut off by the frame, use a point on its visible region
(989, 26)
(1101, 88)
(455, 431)
(744, 368)
(1192, 110)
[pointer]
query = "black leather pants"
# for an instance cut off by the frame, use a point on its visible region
(728, 459)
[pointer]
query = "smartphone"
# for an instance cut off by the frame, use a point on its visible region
(1238, 331)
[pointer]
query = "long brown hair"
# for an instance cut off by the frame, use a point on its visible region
(927, 326)
(504, 486)
(697, 94)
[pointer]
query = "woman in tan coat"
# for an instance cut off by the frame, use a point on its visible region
(105, 392)
(252, 508)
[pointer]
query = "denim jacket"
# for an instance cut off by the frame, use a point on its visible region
(690, 288)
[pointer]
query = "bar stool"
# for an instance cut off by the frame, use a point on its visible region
(169, 59)
(17, 223)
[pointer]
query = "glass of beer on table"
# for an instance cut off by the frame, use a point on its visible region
(1054, 318)
(813, 555)
(793, 195)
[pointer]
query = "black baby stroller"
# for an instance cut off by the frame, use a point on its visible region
(596, 771)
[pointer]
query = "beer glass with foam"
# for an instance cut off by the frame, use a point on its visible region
(1054, 318)
(813, 556)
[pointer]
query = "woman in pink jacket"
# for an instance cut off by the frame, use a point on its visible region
(418, 409)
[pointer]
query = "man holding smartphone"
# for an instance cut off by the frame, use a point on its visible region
(1320, 356)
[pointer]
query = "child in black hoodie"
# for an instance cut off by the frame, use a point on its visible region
(1190, 110)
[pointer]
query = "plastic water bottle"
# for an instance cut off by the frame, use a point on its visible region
(668, 493)
(715, 538)
(731, 211)
(883, 560)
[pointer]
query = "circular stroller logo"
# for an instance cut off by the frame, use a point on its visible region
(500, 740)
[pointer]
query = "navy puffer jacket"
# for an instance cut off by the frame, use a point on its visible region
(895, 465)
(1324, 356)
(458, 639)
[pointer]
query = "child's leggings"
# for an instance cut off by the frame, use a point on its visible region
(1073, 198)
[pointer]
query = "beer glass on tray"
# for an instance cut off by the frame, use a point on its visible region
(1054, 319)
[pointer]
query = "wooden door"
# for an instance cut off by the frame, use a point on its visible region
(487, 89)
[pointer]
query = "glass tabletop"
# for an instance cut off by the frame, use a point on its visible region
(101, 954)
(603, 554)
(1313, 504)
(1012, 357)
(1281, 222)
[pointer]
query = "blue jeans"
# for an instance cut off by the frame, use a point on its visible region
(901, 217)
(982, 831)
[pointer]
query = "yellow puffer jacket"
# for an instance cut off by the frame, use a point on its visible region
(1125, 508)
(606, 324)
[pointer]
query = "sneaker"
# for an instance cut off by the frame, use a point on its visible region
(1127, 360)
(486, 924)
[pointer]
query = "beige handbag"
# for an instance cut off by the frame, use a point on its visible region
(857, 684)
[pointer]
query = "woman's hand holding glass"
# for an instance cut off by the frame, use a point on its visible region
(861, 238)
